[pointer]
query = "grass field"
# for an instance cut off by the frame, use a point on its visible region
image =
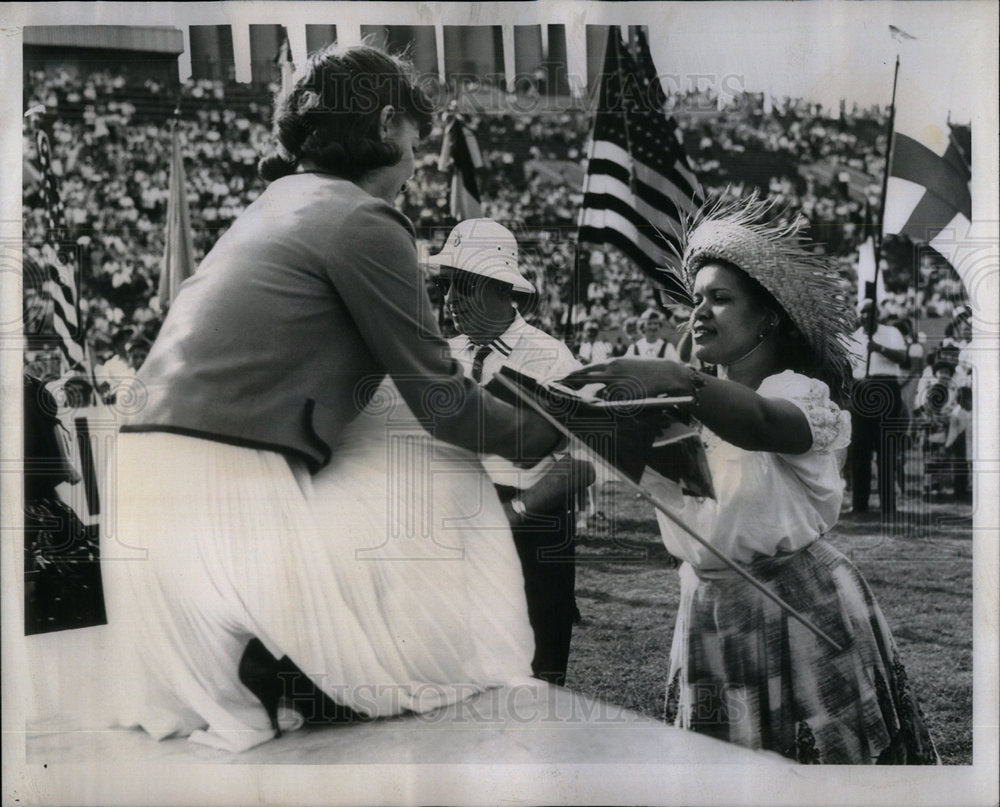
(919, 568)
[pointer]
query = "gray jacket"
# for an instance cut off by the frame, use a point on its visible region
(299, 311)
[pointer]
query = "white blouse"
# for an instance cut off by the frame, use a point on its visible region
(766, 503)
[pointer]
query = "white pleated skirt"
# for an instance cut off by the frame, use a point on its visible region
(390, 579)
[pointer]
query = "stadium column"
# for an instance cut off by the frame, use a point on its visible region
(297, 43)
(241, 52)
(348, 34)
(184, 58)
(576, 58)
(439, 48)
(510, 73)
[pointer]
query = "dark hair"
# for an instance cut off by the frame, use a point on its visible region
(331, 115)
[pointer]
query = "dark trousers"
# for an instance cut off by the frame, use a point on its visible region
(963, 467)
(546, 547)
(877, 428)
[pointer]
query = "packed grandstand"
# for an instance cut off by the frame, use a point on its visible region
(111, 145)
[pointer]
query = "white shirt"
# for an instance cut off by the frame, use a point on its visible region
(767, 502)
(526, 349)
(660, 349)
(885, 335)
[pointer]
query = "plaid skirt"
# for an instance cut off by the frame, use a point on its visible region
(743, 671)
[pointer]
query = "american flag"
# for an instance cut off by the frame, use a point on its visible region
(639, 185)
(460, 154)
(60, 283)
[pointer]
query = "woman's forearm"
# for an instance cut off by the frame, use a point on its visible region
(735, 412)
(740, 416)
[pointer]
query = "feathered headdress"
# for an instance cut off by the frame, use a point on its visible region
(749, 233)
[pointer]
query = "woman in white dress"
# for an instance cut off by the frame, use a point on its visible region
(254, 502)
(770, 316)
(424, 560)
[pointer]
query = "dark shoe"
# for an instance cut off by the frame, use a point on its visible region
(258, 672)
(281, 686)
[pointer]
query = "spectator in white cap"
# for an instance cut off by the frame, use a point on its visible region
(479, 265)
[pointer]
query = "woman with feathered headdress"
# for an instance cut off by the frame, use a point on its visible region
(771, 317)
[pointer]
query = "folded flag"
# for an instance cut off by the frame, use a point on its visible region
(632, 434)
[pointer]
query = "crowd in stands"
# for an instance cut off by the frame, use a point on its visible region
(111, 146)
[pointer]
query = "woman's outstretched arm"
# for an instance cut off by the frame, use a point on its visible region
(731, 410)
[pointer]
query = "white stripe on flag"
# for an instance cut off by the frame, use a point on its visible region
(68, 341)
(602, 183)
(51, 256)
(953, 244)
(902, 196)
(605, 150)
(603, 218)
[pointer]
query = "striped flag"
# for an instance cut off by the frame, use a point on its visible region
(60, 282)
(927, 193)
(178, 251)
(639, 185)
(460, 154)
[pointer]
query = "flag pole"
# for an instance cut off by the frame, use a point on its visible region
(873, 314)
(593, 456)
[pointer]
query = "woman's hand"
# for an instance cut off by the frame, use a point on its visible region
(635, 378)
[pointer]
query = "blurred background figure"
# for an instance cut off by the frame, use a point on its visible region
(593, 349)
(629, 333)
(878, 360)
(652, 345)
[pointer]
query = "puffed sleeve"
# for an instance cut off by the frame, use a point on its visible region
(830, 425)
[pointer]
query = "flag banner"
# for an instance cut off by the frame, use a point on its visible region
(899, 34)
(60, 282)
(178, 251)
(635, 435)
(871, 283)
(639, 186)
(928, 197)
(460, 154)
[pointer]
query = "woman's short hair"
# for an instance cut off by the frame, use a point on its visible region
(331, 116)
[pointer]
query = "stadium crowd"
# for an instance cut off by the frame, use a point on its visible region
(111, 146)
